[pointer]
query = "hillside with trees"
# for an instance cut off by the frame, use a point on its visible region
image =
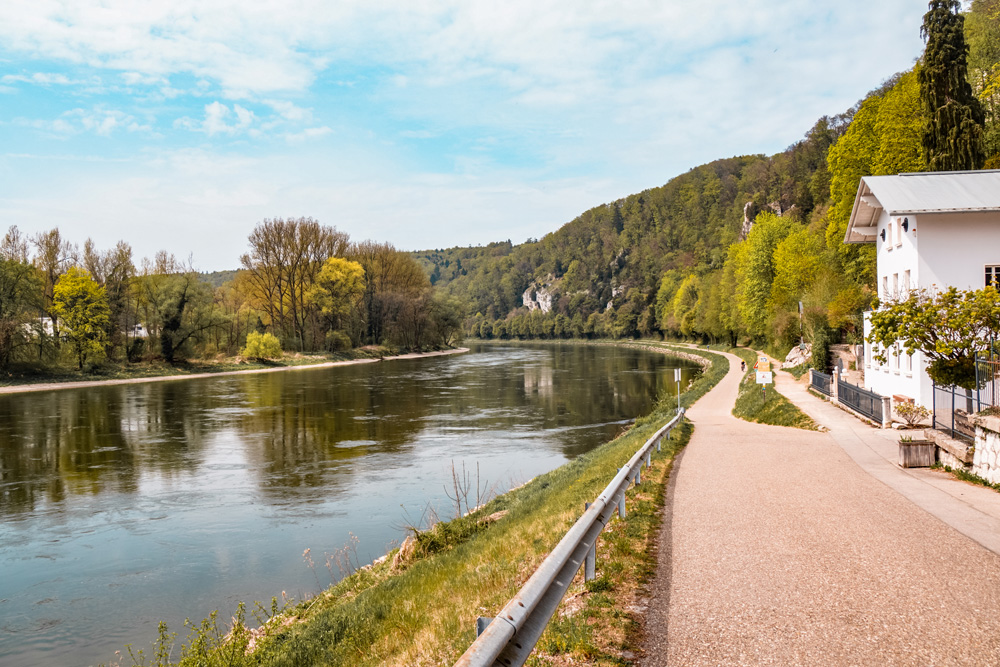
(728, 250)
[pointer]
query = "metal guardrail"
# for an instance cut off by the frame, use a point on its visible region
(987, 382)
(510, 637)
(862, 401)
(822, 383)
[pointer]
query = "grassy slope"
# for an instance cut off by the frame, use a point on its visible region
(752, 404)
(423, 612)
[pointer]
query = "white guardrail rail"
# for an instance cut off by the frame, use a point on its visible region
(510, 637)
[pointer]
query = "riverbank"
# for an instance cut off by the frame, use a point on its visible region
(419, 605)
(79, 384)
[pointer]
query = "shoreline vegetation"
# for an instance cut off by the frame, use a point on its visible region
(390, 612)
(201, 370)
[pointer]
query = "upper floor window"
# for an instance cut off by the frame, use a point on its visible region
(993, 275)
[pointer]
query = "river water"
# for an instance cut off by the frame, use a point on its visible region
(127, 505)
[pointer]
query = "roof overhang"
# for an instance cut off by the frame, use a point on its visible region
(863, 225)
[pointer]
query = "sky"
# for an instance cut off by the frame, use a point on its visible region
(179, 125)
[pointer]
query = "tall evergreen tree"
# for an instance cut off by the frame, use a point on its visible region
(953, 134)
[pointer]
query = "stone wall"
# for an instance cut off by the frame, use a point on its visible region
(986, 459)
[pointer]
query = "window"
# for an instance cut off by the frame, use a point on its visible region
(909, 364)
(899, 232)
(888, 235)
(993, 275)
(906, 282)
(885, 287)
(895, 286)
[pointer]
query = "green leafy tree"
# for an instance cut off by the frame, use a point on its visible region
(82, 306)
(982, 33)
(947, 327)
(756, 274)
(338, 290)
(262, 346)
(953, 134)
(20, 291)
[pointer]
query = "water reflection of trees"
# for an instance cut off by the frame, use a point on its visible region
(300, 431)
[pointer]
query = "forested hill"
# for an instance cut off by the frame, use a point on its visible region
(732, 248)
(604, 269)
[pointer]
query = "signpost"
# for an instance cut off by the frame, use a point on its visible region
(677, 379)
(764, 374)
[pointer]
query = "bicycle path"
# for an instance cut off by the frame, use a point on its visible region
(778, 549)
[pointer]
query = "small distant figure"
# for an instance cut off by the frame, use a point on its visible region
(743, 366)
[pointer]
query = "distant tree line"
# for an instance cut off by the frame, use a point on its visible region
(301, 281)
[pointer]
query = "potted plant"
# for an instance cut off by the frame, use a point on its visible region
(916, 453)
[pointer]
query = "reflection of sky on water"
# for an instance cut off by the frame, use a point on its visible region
(123, 506)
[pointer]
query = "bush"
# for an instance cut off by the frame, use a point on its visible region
(261, 346)
(338, 341)
(912, 413)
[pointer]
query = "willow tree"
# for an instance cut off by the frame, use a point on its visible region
(953, 133)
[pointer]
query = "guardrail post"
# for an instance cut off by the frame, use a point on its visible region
(621, 505)
(834, 389)
(590, 562)
(649, 459)
(638, 476)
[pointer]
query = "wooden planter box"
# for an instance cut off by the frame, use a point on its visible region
(917, 454)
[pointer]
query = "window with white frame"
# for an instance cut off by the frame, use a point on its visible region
(993, 275)
(909, 363)
(906, 282)
(895, 286)
(899, 232)
(888, 236)
(885, 287)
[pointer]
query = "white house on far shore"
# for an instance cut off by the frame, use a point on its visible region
(931, 230)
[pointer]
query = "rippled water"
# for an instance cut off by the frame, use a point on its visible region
(124, 506)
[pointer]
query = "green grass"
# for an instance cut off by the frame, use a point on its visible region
(422, 610)
(797, 371)
(967, 476)
(770, 407)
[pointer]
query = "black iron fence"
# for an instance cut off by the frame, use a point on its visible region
(862, 401)
(951, 409)
(822, 383)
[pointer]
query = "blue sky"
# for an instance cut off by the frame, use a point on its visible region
(180, 125)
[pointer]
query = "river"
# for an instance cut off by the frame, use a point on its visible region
(122, 506)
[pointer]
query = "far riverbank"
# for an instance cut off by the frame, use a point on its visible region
(81, 384)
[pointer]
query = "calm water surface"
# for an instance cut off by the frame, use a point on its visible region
(124, 506)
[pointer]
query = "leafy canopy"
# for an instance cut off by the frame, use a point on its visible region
(947, 327)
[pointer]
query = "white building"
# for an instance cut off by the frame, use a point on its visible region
(932, 231)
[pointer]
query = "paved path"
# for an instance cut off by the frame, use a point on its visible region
(778, 549)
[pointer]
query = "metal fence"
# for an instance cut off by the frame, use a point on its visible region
(987, 383)
(510, 637)
(862, 401)
(951, 409)
(822, 383)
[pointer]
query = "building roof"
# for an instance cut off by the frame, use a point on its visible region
(914, 194)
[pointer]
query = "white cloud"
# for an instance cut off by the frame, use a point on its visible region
(308, 133)
(217, 120)
(98, 120)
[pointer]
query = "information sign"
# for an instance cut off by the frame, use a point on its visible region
(765, 377)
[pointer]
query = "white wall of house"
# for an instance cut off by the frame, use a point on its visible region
(936, 251)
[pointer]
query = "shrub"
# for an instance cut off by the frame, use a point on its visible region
(912, 413)
(338, 341)
(261, 346)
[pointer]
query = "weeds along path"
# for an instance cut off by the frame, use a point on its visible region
(776, 548)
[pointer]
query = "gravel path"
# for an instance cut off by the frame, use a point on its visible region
(778, 549)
